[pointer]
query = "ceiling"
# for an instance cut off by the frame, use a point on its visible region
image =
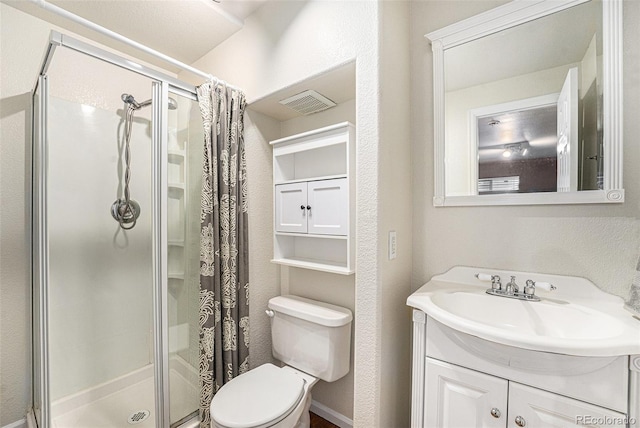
(183, 29)
(338, 84)
(542, 44)
(534, 129)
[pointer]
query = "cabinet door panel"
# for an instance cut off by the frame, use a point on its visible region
(290, 217)
(542, 409)
(329, 202)
(456, 397)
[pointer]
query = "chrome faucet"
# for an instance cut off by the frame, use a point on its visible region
(512, 290)
(512, 287)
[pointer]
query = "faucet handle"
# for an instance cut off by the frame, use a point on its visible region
(484, 276)
(546, 286)
(530, 288)
(495, 280)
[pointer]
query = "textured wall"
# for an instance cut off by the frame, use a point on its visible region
(264, 276)
(395, 193)
(18, 74)
(599, 242)
(287, 42)
(325, 287)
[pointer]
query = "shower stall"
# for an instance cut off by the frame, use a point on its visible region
(115, 284)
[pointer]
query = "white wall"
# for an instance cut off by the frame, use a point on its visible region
(396, 196)
(18, 55)
(325, 287)
(264, 276)
(599, 242)
(288, 42)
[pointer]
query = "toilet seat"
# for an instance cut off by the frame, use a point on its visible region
(259, 398)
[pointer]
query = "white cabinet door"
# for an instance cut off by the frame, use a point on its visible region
(329, 207)
(533, 408)
(456, 397)
(291, 207)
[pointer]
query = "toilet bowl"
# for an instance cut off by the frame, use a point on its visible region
(267, 396)
(313, 340)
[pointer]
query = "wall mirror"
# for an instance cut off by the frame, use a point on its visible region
(528, 105)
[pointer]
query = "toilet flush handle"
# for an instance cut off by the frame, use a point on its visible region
(270, 313)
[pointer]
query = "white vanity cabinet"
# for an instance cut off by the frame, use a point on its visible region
(314, 188)
(459, 397)
(463, 381)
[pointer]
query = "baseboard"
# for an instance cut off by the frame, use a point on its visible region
(331, 415)
(22, 423)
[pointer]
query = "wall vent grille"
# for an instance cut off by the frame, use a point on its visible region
(308, 102)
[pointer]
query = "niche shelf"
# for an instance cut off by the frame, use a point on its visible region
(176, 209)
(313, 176)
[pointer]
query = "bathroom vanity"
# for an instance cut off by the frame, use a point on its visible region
(481, 360)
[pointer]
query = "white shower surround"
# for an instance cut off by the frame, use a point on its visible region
(101, 281)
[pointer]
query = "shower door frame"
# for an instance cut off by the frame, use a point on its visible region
(162, 84)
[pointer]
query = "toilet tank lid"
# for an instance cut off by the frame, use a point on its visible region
(311, 310)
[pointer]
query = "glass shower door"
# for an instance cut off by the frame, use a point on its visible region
(115, 301)
(184, 180)
(99, 276)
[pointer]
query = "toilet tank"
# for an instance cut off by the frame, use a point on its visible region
(311, 336)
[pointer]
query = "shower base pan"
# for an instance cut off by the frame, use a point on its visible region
(128, 402)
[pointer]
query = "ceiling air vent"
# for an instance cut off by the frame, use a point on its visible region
(308, 102)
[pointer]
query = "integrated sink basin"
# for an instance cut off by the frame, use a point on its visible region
(576, 319)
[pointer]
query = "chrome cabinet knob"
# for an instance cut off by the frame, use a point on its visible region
(302, 207)
(520, 421)
(495, 413)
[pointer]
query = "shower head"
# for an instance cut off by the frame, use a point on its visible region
(127, 98)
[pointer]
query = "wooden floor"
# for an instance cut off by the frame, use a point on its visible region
(318, 422)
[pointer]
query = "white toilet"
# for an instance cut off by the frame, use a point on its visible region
(313, 339)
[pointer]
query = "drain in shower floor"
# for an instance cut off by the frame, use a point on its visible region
(139, 416)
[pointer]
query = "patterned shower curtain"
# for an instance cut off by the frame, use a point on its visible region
(224, 261)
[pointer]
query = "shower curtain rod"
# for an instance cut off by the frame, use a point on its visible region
(119, 37)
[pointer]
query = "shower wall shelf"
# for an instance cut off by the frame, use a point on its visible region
(176, 242)
(314, 197)
(177, 205)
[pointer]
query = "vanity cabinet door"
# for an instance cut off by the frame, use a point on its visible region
(291, 207)
(533, 408)
(456, 397)
(328, 202)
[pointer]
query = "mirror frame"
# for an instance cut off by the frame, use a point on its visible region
(510, 15)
